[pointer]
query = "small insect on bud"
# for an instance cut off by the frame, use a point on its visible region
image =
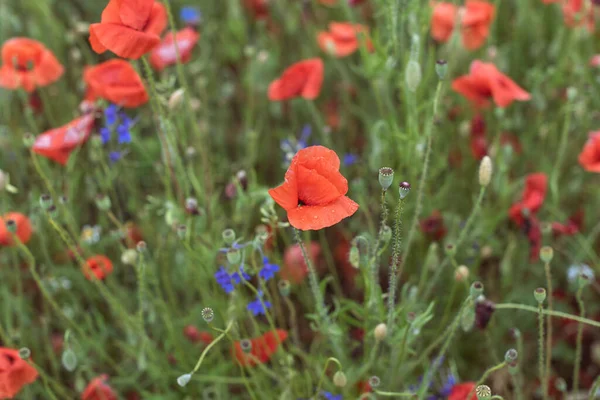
(404, 188)
(246, 345)
(476, 289)
(191, 206)
(45, 201)
(441, 69)
(103, 202)
(24, 353)
(11, 226)
(284, 287)
(339, 379)
(129, 257)
(511, 356)
(184, 379)
(182, 231)
(208, 314)
(176, 99)
(540, 295)
(228, 236)
(483, 391)
(386, 177)
(141, 246)
(234, 256)
(461, 274)
(380, 332)
(412, 75)
(374, 381)
(485, 171)
(546, 254)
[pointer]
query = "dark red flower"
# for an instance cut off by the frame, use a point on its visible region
(98, 389)
(433, 226)
(479, 144)
(573, 225)
(14, 373)
(462, 390)
(195, 335)
(532, 199)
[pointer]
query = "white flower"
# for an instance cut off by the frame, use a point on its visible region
(579, 269)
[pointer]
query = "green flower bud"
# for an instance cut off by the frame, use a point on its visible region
(24, 353)
(476, 290)
(103, 202)
(441, 69)
(546, 254)
(339, 379)
(69, 360)
(412, 75)
(354, 256)
(386, 177)
(184, 379)
(540, 295)
(228, 236)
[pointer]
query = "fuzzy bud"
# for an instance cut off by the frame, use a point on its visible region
(103, 202)
(476, 290)
(208, 314)
(228, 236)
(24, 353)
(403, 189)
(184, 379)
(540, 295)
(339, 379)
(412, 75)
(234, 256)
(129, 257)
(354, 256)
(380, 332)
(69, 360)
(546, 254)
(386, 177)
(485, 171)
(176, 99)
(441, 69)
(284, 287)
(461, 274)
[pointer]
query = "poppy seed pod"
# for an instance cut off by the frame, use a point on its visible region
(284, 287)
(546, 254)
(228, 236)
(403, 189)
(45, 201)
(476, 289)
(103, 202)
(386, 177)
(24, 353)
(208, 314)
(339, 379)
(246, 345)
(511, 356)
(184, 379)
(441, 69)
(374, 381)
(485, 171)
(540, 295)
(234, 256)
(483, 391)
(11, 226)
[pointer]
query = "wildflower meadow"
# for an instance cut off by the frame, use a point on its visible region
(299, 199)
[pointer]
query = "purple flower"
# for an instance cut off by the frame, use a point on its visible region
(224, 280)
(114, 156)
(123, 133)
(104, 135)
(258, 306)
(268, 270)
(350, 159)
(331, 396)
(110, 114)
(190, 15)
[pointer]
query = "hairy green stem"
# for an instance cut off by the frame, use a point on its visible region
(485, 375)
(559, 314)
(548, 326)
(394, 266)
(541, 349)
(578, 347)
(329, 360)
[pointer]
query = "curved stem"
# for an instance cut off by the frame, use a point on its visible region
(329, 360)
(485, 375)
(514, 306)
(210, 346)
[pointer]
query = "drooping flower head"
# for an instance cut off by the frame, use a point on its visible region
(589, 158)
(27, 64)
(57, 144)
(343, 38)
(303, 79)
(98, 389)
(165, 53)
(485, 82)
(129, 28)
(115, 81)
(23, 226)
(14, 373)
(314, 191)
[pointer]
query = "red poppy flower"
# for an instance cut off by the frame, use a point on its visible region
(462, 390)
(23, 232)
(478, 141)
(165, 53)
(364, 387)
(303, 79)
(532, 199)
(433, 226)
(589, 158)
(475, 24)
(57, 144)
(573, 225)
(343, 39)
(27, 64)
(98, 267)
(258, 8)
(98, 389)
(195, 336)
(116, 81)
(263, 347)
(577, 14)
(14, 373)
(313, 193)
(485, 82)
(129, 28)
(595, 61)
(294, 267)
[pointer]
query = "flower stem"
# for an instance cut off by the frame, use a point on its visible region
(485, 375)
(471, 218)
(211, 344)
(374, 262)
(559, 314)
(579, 340)
(595, 387)
(394, 265)
(329, 360)
(548, 326)
(541, 350)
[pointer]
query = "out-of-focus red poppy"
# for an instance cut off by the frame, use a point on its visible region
(532, 199)
(589, 158)
(577, 13)
(344, 38)
(115, 81)
(133, 234)
(165, 53)
(303, 79)
(57, 144)
(194, 335)
(294, 267)
(476, 19)
(508, 139)
(258, 8)
(27, 64)
(433, 226)
(364, 387)
(129, 28)
(595, 61)
(485, 82)
(314, 191)
(478, 141)
(24, 229)
(14, 373)
(573, 225)
(98, 389)
(263, 347)
(334, 2)
(533, 230)
(462, 390)
(98, 267)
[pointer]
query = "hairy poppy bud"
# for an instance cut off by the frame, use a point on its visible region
(176, 99)
(228, 236)
(354, 256)
(380, 332)
(339, 379)
(412, 75)
(386, 234)
(184, 379)
(540, 295)
(386, 177)
(404, 188)
(129, 257)
(103, 202)
(441, 68)
(485, 171)
(461, 274)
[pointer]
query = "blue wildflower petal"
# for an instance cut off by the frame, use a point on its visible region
(190, 15)
(114, 156)
(224, 280)
(257, 307)
(104, 135)
(350, 159)
(268, 270)
(123, 134)
(306, 131)
(237, 278)
(331, 396)
(110, 114)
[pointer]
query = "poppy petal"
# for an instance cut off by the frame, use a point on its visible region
(124, 42)
(313, 84)
(442, 21)
(157, 21)
(315, 189)
(111, 13)
(319, 217)
(135, 13)
(94, 42)
(286, 194)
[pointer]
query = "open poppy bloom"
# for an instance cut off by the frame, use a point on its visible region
(303, 79)
(313, 193)
(462, 390)
(532, 199)
(485, 82)
(476, 19)
(294, 267)
(57, 144)
(115, 81)
(14, 373)
(263, 347)
(27, 64)
(589, 158)
(573, 225)
(23, 231)
(98, 389)
(343, 39)
(98, 267)
(165, 53)
(578, 14)
(129, 28)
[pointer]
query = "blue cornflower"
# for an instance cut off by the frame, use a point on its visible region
(258, 306)
(447, 385)
(224, 280)
(114, 156)
(123, 133)
(331, 396)
(237, 278)
(268, 270)
(190, 15)
(110, 114)
(350, 159)
(291, 147)
(104, 135)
